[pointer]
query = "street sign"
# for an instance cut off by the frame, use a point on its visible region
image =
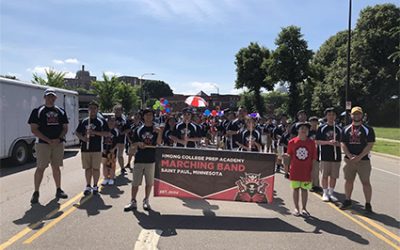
(348, 105)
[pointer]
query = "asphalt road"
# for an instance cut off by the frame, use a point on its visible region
(100, 223)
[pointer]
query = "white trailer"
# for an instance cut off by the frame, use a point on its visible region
(17, 100)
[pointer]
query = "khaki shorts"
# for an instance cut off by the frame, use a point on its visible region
(146, 169)
(362, 168)
(91, 160)
(330, 168)
(46, 153)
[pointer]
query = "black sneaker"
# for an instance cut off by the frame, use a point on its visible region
(346, 204)
(123, 171)
(278, 169)
(87, 191)
(131, 206)
(95, 190)
(35, 197)
(61, 194)
(287, 176)
(368, 208)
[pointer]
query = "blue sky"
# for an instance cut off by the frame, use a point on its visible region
(190, 44)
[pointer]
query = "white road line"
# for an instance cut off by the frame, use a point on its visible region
(388, 172)
(148, 239)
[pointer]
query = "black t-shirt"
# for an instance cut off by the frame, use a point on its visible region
(132, 127)
(356, 138)
(111, 141)
(167, 133)
(121, 124)
(96, 142)
(255, 137)
(325, 133)
(278, 131)
(191, 130)
(312, 134)
(148, 136)
(50, 121)
(236, 125)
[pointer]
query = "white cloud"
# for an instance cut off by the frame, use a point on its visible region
(110, 73)
(71, 61)
(69, 74)
(56, 61)
(195, 10)
(39, 69)
(193, 88)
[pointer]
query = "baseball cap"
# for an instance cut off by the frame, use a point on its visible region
(50, 91)
(187, 110)
(313, 118)
(147, 110)
(301, 124)
(327, 110)
(356, 109)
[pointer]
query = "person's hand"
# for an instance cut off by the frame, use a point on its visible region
(355, 158)
(158, 129)
(141, 145)
(55, 141)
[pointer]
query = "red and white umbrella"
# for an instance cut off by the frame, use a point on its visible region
(196, 101)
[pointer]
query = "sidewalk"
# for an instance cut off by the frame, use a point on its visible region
(385, 139)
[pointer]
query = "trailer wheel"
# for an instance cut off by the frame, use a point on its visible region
(32, 152)
(20, 153)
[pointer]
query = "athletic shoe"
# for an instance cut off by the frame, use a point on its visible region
(110, 182)
(35, 197)
(128, 166)
(287, 176)
(123, 170)
(131, 206)
(305, 213)
(146, 205)
(368, 208)
(296, 213)
(95, 190)
(105, 182)
(333, 198)
(87, 191)
(61, 194)
(325, 197)
(346, 204)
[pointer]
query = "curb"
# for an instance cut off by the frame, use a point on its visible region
(386, 155)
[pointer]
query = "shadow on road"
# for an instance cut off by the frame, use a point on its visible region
(278, 205)
(7, 167)
(358, 208)
(92, 204)
(201, 204)
(332, 228)
(38, 213)
(170, 223)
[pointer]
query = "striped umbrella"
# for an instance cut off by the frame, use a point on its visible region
(196, 101)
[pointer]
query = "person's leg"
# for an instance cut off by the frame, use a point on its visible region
(88, 176)
(56, 176)
(296, 198)
(134, 192)
(364, 173)
(96, 176)
(350, 171)
(120, 154)
(38, 177)
(304, 198)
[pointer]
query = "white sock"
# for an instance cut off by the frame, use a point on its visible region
(325, 191)
(330, 191)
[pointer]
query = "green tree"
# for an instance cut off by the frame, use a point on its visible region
(53, 78)
(127, 96)
(156, 89)
(252, 72)
(247, 101)
(276, 102)
(106, 92)
(290, 63)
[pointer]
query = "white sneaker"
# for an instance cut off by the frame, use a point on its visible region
(325, 197)
(333, 198)
(111, 182)
(146, 204)
(105, 182)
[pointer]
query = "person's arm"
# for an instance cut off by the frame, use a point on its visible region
(365, 152)
(81, 137)
(37, 133)
(346, 151)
